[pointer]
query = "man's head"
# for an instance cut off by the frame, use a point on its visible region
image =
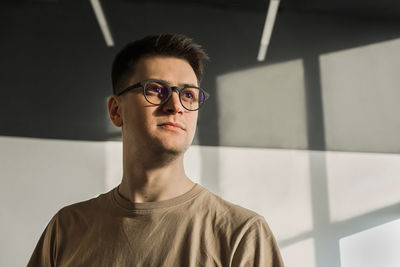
(172, 45)
(150, 130)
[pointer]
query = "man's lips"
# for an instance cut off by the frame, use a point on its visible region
(172, 125)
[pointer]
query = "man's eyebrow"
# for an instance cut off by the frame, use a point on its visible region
(189, 85)
(182, 84)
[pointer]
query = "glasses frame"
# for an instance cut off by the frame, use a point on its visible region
(171, 88)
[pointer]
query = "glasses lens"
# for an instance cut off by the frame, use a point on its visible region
(192, 98)
(156, 92)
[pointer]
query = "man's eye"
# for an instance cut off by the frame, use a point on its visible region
(153, 89)
(188, 94)
(156, 89)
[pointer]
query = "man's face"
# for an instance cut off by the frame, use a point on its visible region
(149, 127)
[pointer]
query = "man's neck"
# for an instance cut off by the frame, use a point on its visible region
(146, 184)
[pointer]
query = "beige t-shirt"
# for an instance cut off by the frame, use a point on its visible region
(197, 228)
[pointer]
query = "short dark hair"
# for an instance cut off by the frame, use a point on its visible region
(175, 45)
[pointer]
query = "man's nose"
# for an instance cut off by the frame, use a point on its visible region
(173, 105)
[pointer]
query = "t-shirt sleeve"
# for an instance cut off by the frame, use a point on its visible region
(45, 250)
(257, 247)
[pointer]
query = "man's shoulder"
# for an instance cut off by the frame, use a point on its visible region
(85, 209)
(228, 212)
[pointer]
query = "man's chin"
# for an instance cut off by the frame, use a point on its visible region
(171, 148)
(175, 150)
(167, 155)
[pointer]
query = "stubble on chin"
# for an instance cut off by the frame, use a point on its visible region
(166, 154)
(156, 151)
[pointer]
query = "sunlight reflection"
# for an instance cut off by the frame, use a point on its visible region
(193, 163)
(378, 246)
(272, 182)
(263, 107)
(113, 164)
(361, 182)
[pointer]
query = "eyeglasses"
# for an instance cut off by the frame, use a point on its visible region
(157, 92)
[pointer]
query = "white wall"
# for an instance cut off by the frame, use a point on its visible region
(378, 246)
(38, 177)
(315, 202)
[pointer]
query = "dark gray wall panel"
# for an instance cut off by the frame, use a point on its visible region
(53, 72)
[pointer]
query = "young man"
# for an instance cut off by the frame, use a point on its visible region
(157, 216)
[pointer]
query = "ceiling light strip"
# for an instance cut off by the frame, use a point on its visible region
(269, 25)
(98, 11)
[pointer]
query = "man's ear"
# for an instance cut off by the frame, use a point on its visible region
(114, 110)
